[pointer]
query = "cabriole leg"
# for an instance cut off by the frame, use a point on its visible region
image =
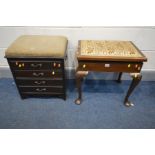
(79, 78)
(119, 77)
(136, 78)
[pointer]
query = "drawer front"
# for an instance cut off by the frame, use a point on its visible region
(38, 94)
(110, 66)
(42, 89)
(39, 74)
(35, 65)
(28, 82)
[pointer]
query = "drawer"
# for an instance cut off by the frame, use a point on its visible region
(35, 65)
(39, 94)
(56, 89)
(110, 66)
(29, 82)
(39, 74)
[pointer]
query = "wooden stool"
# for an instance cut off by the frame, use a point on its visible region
(37, 65)
(109, 56)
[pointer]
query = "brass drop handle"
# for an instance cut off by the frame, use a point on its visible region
(36, 65)
(41, 89)
(84, 66)
(20, 64)
(38, 74)
(41, 82)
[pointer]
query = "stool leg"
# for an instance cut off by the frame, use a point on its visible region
(119, 77)
(79, 79)
(136, 78)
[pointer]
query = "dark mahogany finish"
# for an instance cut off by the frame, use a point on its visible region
(39, 77)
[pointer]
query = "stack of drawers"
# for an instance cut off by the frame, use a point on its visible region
(39, 77)
(37, 65)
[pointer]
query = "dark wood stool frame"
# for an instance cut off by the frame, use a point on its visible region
(99, 64)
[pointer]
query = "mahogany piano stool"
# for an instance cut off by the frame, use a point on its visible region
(109, 56)
(37, 65)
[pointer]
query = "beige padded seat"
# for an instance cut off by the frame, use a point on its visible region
(37, 46)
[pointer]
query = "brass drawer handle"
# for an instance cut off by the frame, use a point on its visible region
(36, 65)
(41, 82)
(20, 64)
(38, 74)
(84, 66)
(41, 89)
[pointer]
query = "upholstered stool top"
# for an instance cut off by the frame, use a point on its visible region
(37, 46)
(109, 48)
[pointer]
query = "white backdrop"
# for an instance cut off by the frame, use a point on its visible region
(143, 37)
